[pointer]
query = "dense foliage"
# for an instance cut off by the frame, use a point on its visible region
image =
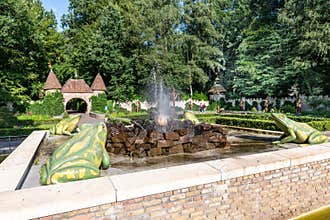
(7, 119)
(99, 103)
(52, 105)
(258, 48)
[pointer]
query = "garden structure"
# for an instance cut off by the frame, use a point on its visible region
(75, 89)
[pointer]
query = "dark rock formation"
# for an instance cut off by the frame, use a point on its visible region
(146, 138)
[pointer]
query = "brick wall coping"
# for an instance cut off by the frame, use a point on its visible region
(14, 168)
(54, 199)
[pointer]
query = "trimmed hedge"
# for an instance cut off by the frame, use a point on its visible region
(29, 122)
(248, 123)
(22, 131)
(266, 116)
(264, 124)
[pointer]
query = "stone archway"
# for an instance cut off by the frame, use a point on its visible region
(76, 105)
(84, 96)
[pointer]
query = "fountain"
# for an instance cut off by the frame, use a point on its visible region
(162, 133)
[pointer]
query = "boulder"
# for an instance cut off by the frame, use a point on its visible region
(174, 136)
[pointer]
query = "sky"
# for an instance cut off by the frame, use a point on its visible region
(59, 7)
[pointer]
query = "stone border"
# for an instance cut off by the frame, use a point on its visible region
(15, 167)
(49, 200)
(254, 130)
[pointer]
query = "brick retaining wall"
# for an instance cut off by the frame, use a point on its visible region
(274, 194)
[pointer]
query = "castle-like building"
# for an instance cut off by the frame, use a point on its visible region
(75, 88)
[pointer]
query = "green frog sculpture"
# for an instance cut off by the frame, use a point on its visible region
(297, 132)
(78, 158)
(66, 126)
(190, 116)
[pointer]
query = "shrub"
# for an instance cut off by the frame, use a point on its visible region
(133, 107)
(52, 104)
(288, 108)
(200, 96)
(195, 107)
(99, 103)
(213, 106)
(247, 106)
(111, 105)
(37, 108)
(7, 119)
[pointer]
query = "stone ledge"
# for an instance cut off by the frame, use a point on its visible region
(53, 199)
(253, 130)
(15, 166)
(307, 154)
(133, 185)
(248, 165)
(262, 162)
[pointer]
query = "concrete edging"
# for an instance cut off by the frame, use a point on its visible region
(14, 168)
(49, 200)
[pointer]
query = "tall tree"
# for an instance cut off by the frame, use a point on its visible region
(28, 40)
(258, 67)
(306, 40)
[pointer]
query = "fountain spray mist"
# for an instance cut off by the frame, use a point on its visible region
(162, 100)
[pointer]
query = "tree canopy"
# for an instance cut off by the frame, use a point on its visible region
(258, 48)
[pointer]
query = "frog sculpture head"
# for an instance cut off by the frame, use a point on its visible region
(66, 126)
(190, 116)
(78, 158)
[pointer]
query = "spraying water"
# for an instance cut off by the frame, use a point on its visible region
(161, 98)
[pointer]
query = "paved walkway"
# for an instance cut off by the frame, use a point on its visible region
(85, 118)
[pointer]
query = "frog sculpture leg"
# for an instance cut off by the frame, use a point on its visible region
(78, 158)
(317, 138)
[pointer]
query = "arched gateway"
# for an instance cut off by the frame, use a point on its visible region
(75, 88)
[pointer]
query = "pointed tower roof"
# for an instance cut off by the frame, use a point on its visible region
(98, 84)
(52, 81)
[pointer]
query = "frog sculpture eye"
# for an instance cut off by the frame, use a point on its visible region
(78, 158)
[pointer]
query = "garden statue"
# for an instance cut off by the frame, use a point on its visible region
(299, 106)
(241, 105)
(78, 158)
(66, 125)
(266, 105)
(297, 132)
(190, 116)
